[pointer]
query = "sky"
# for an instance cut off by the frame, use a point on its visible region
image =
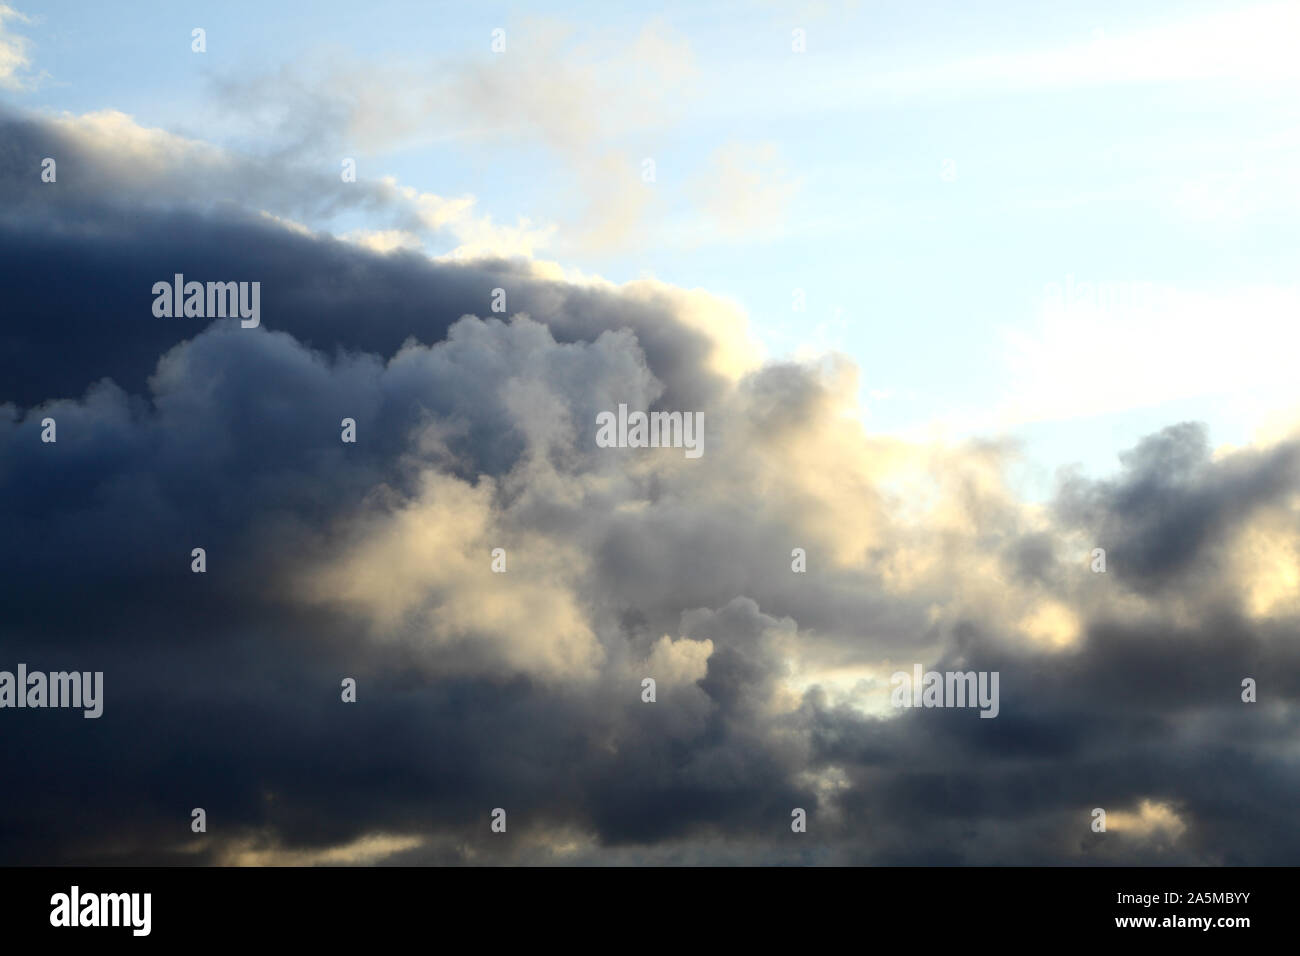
(1118, 143)
(963, 292)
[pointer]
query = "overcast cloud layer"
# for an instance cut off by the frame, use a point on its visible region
(523, 690)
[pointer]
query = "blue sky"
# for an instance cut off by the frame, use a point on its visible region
(923, 172)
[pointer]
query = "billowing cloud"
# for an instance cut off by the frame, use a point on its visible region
(520, 686)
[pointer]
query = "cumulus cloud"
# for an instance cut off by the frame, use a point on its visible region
(522, 689)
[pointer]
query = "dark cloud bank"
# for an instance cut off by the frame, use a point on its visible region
(222, 689)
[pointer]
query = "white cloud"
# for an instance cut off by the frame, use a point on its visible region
(1255, 45)
(746, 190)
(1093, 358)
(15, 61)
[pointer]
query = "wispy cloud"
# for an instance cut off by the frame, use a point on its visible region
(15, 55)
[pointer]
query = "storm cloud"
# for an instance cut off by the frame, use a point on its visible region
(522, 690)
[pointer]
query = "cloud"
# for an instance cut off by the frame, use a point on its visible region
(522, 690)
(1106, 346)
(1242, 46)
(1151, 818)
(368, 849)
(106, 153)
(588, 98)
(15, 60)
(746, 189)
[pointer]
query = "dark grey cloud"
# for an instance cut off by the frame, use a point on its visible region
(222, 689)
(1173, 504)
